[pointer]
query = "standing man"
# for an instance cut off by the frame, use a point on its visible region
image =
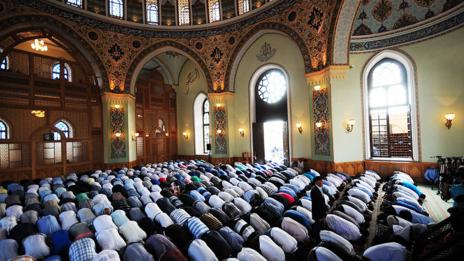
(319, 208)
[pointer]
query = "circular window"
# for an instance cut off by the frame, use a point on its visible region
(272, 86)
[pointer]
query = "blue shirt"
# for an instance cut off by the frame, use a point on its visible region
(412, 187)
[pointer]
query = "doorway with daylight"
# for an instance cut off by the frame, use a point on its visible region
(269, 103)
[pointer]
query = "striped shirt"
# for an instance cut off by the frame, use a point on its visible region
(196, 227)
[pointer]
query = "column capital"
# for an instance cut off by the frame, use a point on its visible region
(325, 75)
(115, 97)
(216, 98)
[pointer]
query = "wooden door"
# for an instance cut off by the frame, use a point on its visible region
(258, 142)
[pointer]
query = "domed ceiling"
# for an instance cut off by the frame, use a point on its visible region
(378, 16)
(168, 12)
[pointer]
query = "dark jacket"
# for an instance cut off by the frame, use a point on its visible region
(319, 208)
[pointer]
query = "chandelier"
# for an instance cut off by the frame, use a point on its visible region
(39, 45)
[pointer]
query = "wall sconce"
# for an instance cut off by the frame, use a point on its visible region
(241, 132)
(299, 127)
(147, 135)
(135, 136)
(38, 113)
(185, 135)
(449, 119)
(117, 106)
(318, 124)
(317, 88)
(350, 125)
(118, 134)
(219, 132)
(167, 134)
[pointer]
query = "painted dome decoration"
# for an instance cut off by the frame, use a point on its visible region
(379, 16)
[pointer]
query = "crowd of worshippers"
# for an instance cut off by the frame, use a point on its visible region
(189, 210)
(406, 230)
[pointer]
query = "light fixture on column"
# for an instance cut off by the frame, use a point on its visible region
(219, 132)
(319, 124)
(117, 106)
(135, 136)
(39, 45)
(299, 127)
(350, 125)
(317, 88)
(118, 134)
(185, 135)
(449, 119)
(241, 131)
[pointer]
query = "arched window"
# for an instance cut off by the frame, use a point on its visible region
(243, 6)
(116, 8)
(272, 86)
(205, 125)
(152, 12)
(390, 108)
(56, 70)
(202, 123)
(76, 3)
(5, 64)
(184, 12)
(214, 11)
(3, 130)
(65, 127)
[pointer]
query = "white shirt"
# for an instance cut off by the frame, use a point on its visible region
(199, 251)
(343, 227)
(270, 250)
(295, 229)
(359, 194)
(110, 239)
(386, 252)
(358, 202)
(284, 240)
(354, 214)
(249, 254)
(330, 236)
(324, 254)
(67, 219)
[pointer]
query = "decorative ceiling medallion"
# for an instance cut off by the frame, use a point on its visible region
(93, 35)
(315, 18)
(116, 52)
(136, 44)
(266, 52)
(216, 55)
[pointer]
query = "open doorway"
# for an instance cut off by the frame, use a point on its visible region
(275, 134)
(270, 116)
